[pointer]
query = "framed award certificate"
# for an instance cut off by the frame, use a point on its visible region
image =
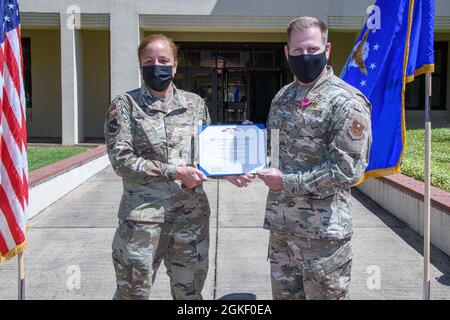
(232, 149)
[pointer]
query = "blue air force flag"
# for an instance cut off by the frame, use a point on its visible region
(382, 61)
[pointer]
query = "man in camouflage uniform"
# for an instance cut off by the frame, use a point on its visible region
(160, 218)
(325, 136)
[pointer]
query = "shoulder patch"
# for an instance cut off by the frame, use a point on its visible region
(113, 127)
(356, 131)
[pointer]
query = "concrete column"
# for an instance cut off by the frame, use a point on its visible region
(141, 35)
(71, 82)
(125, 34)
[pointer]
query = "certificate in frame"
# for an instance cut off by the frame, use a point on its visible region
(225, 150)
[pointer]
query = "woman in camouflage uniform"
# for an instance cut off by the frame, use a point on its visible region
(164, 212)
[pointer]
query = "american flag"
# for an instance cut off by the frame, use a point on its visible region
(13, 134)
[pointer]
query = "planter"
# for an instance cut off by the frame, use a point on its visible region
(403, 197)
(50, 183)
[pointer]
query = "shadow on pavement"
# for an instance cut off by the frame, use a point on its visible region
(445, 280)
(438, 258)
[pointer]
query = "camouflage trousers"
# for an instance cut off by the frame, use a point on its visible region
(139, 247)
(309, 269)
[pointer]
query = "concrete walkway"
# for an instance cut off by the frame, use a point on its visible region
(74, 236)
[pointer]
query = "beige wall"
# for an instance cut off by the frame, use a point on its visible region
(341, 47)
(96, 84)
(45, 117)
(94, 95)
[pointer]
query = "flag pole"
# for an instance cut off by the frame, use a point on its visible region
(21, 291)
(426, 217)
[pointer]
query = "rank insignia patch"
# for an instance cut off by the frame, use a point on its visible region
(113, 127)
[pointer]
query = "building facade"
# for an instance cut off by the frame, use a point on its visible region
(79, 54)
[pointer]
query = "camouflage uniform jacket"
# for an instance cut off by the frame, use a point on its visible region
(146, 140)
(324, 149)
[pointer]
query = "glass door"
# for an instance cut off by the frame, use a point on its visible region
(202, 81)
(237, 96)
(263, 89)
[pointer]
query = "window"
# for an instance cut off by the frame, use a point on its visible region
(415, 91)
(238, 59)
(265, 59)
(193, 59)
(26, 52)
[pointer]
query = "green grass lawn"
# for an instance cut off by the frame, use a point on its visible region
(413, 159)
(40, 156)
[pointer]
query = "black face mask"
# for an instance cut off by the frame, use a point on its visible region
(157, 77)
(307, 67)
